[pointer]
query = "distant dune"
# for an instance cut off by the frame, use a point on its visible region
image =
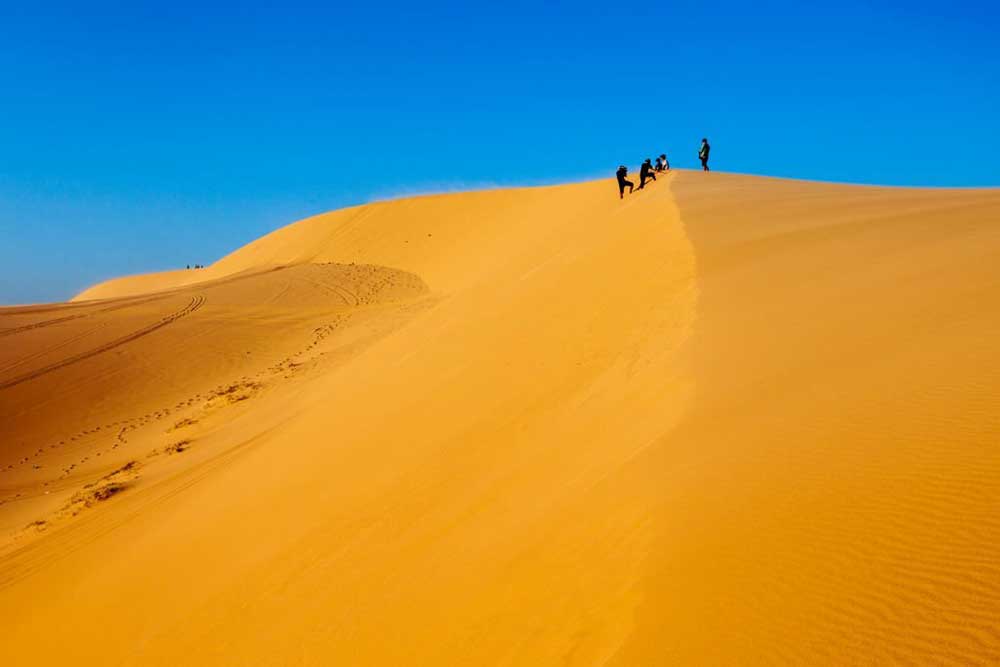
(727, 420)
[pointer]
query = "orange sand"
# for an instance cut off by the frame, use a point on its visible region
(726, 420)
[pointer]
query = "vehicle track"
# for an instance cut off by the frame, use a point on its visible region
(49, 350)
(349, 297)
(57, 320)
(195, 303)
(129, 301)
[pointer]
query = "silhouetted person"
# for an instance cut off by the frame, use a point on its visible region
(646, 171)
(621, 174)
(665, 161)
(703, 154)
(658, 167)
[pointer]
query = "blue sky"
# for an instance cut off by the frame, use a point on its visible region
(138, 137)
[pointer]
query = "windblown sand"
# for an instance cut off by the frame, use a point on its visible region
(727, 420)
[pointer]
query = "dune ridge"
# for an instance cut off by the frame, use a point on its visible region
(726, 420)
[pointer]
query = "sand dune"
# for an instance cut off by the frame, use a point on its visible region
(726, 420)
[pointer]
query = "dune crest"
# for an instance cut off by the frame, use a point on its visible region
(728, 419)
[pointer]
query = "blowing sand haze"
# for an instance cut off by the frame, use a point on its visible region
(727, 420)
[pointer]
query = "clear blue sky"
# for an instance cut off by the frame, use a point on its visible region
(138, 136)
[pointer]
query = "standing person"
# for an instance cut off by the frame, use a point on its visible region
(703, 154)
(621, 174)
(646, 171)
(665, 161)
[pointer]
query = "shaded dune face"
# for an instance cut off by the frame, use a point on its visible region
(88, 387)
(726, 420)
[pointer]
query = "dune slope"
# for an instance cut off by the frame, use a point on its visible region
(728, 419)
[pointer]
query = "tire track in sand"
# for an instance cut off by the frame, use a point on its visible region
(195, 303)
(67, 318)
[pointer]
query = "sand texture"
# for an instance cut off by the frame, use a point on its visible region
(727, 420)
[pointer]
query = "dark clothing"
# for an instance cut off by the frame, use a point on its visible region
(645, 172)
(621, 173)
(704, 164)
(703, 154)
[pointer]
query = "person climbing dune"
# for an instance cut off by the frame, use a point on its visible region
(622, 182)
(646, 171)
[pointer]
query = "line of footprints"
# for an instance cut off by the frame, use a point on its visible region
(226, 394)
